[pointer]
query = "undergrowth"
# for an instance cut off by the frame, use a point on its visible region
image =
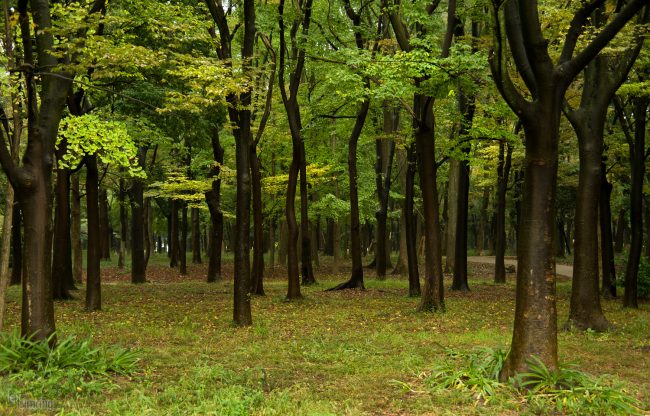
(566, 390)
(33, 368)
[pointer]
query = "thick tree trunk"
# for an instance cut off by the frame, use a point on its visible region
(503, 171)
(535, 326)
(608, 288)
(585, 310)
(77, 253)
(93, 275)
(637, 159)
(257, 276)
(433, 293)
(196, 236)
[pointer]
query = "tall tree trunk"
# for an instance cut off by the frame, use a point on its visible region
(173, 245)
(138, 267)
(408, 214)
(620, 231)
(401, 266)
(196, 236)
(77, 253)
(124, 218)
(452, 214)
(62, 278)
(608, 288)
(637, 158)
(183, 244)
(433, 293)
(147, 213)
(503, 171)
(305, 256)
(104, 226)
(483, 221)
(93, 275)
(257, 276)
(385, 150)
(213, 199)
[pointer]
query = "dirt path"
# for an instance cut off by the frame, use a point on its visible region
(560, 269)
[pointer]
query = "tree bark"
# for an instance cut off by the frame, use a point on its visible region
(104, 226)
(385, 150)
(196, 236)
(452, 214)
(93, 275)
(183, 244)
(257, 276)
(77, 253)
(608, 288)
(138, 267)
(503, 172)
(410, 223)
(62, 277)
(124, 226)
(213, 199)
(173, 245)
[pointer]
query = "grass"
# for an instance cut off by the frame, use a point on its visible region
(332, 353)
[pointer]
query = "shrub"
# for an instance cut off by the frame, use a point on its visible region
(71, 367)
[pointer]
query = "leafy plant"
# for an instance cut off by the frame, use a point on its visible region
(70, 367)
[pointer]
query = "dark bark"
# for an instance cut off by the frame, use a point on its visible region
(608, 287)
(433, 293)
(385, 150)
(16, 247)
(183, 244)
(213, 199)
(481, 234)
(62, 277)
(104, 226)
(124, 226)
(138, 265)
(503, 172)
(174, 237)
(620, 231)
(77, 253)
(93, 275)
(410, 223)
(257, 276)
(196, 236)
(637, 160)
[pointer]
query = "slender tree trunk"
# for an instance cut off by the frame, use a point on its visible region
(138, 266)
(305, 256)
(183, 244)
(124, 218)
(410, 223)
(483, 221)
(385, 150)
(401, 266)
(452, 214)
(173, 245)
(503, 170)
(213, 199)
(196, 236)
(620, 231)
(148, 231)
(93, 275)
(62, 247)
(608, 288)
(77, 253)
(104, 226)
(257, 276)
(637, 158)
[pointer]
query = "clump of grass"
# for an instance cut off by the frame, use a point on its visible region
(30, 367)
(565, 390)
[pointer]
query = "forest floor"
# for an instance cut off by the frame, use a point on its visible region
(347, 352)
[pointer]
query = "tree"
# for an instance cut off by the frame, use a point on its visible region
(535, 327)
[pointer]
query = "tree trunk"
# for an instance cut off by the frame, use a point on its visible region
(433, 293)
(104, 226)
(257, 276)
(213, 199)
(483, 221)
(147, 213)
(173, 245)
(124, 218)
(356, 278)
(62, 247)
(503, 172)
(183, 245)
(620, 231)
(401, 266)
(93, 275)
(608, 288)
(452, 214)
(138, 267)
(305, 256)
(408, 214)
(385, 150)
(77, 253)
(637, 159)
(196, 236)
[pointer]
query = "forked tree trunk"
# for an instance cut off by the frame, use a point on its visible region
(93, 275)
